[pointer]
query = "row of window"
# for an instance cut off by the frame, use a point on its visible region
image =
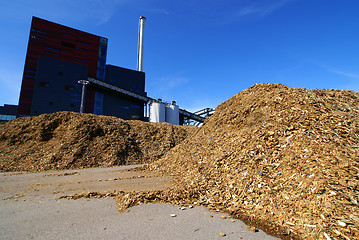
(52, 104)
(65, 34)
(38, 38)
(47, 84)
(72, 105)
(7, 117)
(29, 76)
(38, 31)
(58, 54)
(30, 70)
(52, 53)
(57, 51)
(80, 59)
(63, 43)
(130, 107)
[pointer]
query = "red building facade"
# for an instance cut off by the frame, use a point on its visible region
(56, 41)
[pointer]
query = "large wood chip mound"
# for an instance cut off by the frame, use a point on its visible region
(284, 159)
(68, 140)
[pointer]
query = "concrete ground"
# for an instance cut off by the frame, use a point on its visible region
(29, 209)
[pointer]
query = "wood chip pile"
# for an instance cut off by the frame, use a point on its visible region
(68, 140)
(284, 159)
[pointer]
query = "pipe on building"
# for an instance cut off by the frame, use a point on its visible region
(83, 94)
(141, 30)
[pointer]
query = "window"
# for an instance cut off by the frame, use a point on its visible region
(60, 73)
(38, 38)
(80, 42)
(67, 44)
(75, 99)
(39, 31)
(29, 76)
(82, 49)
(7, 117)
(69, 35)
(135, 106)
(102, 59)
(98, 106)
(30, 70)
(69, 87)
(53, 49)
(44, 84)
(80, 59)
(52, 53)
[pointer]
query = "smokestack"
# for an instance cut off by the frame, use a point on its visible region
(141, 30)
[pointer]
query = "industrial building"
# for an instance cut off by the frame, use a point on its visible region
(55, 41)
(8, 112)
(65, 70)
(57, 57)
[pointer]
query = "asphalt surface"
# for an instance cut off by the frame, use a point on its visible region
(29, 210)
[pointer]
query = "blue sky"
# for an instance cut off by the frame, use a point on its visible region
(201, 53)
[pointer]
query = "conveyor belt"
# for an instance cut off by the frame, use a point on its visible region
(141, 97)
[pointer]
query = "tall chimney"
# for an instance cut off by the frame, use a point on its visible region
(141, 30)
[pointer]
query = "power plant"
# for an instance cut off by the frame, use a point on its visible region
(65, 70)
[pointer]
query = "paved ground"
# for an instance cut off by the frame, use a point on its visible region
(29, 209)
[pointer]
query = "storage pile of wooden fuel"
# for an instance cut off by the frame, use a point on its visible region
(68, 140)
(282, 159)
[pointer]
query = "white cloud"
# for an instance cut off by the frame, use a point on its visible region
(346, 74)
(158, 10)
(198, 104)
(163, 86)
(98, 10)
(95, 11)
(352, 84)
(262, 10)
(351, 75)
(289, 69)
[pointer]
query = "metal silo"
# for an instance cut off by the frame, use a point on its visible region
(157, 112)
(172, 113)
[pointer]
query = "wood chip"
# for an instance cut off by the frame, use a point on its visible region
(253, 229)
(239, 162)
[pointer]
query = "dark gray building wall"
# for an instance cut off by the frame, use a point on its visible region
(128, 79)
(114, 104)
(56, 88)
(122, 107)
